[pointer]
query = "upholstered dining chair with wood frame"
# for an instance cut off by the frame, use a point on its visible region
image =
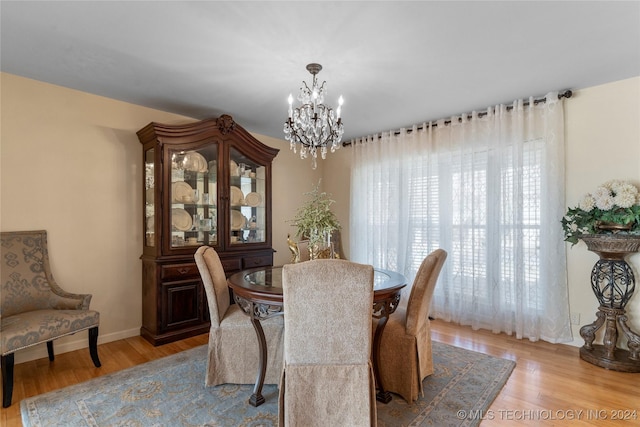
(300, 250)
(405, 358)
(327, 378)
(233, 352)
(33, 308)
(336, 241)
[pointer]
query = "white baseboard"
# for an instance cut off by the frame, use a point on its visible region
(71, 343)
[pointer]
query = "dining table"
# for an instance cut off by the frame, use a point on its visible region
(258, 292)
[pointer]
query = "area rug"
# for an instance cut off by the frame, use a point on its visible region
(170, 392)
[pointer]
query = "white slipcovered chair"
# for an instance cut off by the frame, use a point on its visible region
(33, 308)
(327, 378)
(233, 355)
(405, 346)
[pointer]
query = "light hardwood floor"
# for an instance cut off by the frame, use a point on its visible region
(550, 386)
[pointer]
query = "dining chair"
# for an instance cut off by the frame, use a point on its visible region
(233, 353)
(405, 357)
(300, 250)
(336, 241)
(303, 247)
(327, 377)
(34, 309)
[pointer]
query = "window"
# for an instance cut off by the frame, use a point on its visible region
(485, 191)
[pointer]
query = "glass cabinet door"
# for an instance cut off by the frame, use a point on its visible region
(149, 205)
(247, 195)
(193, 197)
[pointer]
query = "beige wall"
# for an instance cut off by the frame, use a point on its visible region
(603, 143)
(336, 180)
(70, 164)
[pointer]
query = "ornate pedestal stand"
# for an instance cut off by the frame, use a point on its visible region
(613, 284)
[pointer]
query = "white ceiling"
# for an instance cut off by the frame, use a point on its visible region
(395, 63)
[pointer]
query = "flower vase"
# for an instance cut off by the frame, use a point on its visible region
(323, 250)
(614, 227)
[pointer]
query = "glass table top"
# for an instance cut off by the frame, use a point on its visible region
(272, 277)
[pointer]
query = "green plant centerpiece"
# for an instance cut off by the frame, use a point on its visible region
(314, 220)
(613, 208)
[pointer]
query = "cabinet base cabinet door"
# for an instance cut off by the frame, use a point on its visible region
(181, 305)
(179, 334)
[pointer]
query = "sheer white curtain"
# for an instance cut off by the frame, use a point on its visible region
(488, 189)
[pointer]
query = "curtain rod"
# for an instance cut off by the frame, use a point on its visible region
(564, 94)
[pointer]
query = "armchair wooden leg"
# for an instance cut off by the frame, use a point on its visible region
(93, 346)
(50, 351)
(7, 379)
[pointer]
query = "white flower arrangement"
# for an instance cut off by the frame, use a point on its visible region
(614, 202)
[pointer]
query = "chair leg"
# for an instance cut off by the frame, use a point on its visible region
(7, 379)
(50, 351)
(93, 346)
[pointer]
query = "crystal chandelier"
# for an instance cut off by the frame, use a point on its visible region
(313, 125)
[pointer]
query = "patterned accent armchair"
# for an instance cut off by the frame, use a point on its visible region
(33, 308)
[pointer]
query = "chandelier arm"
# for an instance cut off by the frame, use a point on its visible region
(330, 124)
(300, 137)
(306, 92)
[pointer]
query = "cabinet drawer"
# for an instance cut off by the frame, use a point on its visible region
(179, 271)
(231, 265)
(257, 261)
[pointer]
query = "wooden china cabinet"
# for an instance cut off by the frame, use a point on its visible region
(205, 183)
